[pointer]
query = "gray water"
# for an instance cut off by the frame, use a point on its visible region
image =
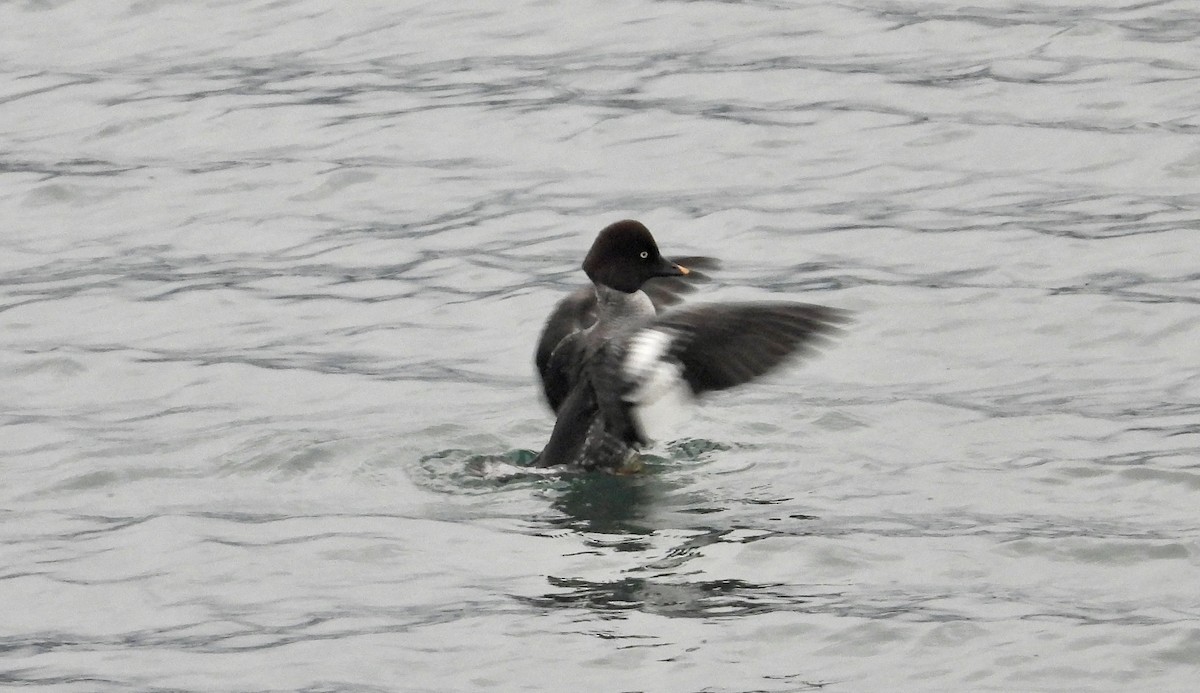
(271, 275)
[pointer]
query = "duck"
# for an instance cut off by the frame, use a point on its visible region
(620, 367)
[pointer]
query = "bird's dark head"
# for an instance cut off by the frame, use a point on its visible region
(625, 255)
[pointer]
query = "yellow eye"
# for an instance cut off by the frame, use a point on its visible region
(645, 254)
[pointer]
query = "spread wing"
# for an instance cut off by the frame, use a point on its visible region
(563, 369)
(727, 344)
(575, 420)
(559, 351)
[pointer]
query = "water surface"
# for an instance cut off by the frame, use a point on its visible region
(271, 275)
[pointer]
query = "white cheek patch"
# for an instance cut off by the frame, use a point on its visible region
(660, 398)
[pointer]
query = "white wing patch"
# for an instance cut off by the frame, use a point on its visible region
(660, 398)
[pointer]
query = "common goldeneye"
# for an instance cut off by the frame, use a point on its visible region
(615, 371)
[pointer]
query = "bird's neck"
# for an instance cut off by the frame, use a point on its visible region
(617, 307)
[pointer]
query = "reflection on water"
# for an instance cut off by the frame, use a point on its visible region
(606, 503)
(716, 598)
(598, 502)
